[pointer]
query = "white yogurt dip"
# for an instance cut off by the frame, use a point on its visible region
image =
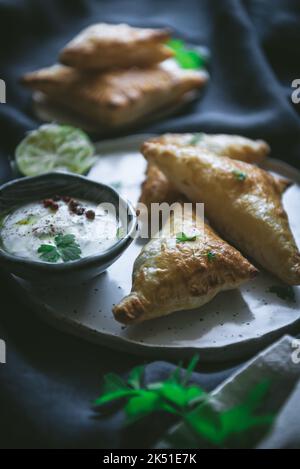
(94, 228)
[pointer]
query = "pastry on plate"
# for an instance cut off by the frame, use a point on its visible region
(183, 268)
(242, 201)
(105, 46)
(233, 146)
(157, 188)
(118, 98)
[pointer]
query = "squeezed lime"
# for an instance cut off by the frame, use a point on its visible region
(54, 147)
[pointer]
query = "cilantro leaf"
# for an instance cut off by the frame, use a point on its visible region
(120, 232)
(142, 404)
(239, 175)
(182, 237)
(135, 377)
(200, 418)
(114, 389)
(187, 58)
(211, 255)
(68, 248)
(192, 365)
(223, 428)
(48, 253)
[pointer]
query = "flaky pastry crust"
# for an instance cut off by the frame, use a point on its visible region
(105, 46)
(242, 201)
(118, 98)
(169, 275)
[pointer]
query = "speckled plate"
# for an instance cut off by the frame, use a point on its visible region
(235, 324)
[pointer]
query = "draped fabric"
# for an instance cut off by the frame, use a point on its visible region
(50, 378)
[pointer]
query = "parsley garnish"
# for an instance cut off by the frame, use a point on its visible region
(211, 255)
(186, 57)
(120, 232)
(284, 292)
(196, 138)
(182, 237)
(199, 418)
(65, 248)
(239, 175)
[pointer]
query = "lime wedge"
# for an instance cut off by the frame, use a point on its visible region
(55, 147)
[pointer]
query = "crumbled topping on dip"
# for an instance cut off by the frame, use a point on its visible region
(93, 229)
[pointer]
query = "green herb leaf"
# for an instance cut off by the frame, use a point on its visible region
(192, 365)
(143, 404)
(65, 248)
(211, 255)
(120, 232)
(187, 58)
(201, 418)
(48, 253)
(223, 428)
(114, 389)
(284, 292)
(196, 139)
(68, 248)
(182, 237)
(135, 377)
(239, 175)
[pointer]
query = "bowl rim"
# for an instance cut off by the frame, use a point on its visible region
(114, 251)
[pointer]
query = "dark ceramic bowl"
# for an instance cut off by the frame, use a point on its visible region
(21, 191)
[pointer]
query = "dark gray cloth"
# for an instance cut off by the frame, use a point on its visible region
(50, 378)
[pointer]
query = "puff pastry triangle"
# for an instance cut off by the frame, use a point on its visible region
(117, 98)
(105, 46)
(233, 146)
(170, 275)
(242, 201)
(157, 188)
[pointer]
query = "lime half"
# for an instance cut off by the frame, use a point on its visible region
(55, 147)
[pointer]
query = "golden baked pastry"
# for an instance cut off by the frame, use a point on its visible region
(105, 46)
(171, 274)
(242, 201)
(233, 146)
(118, 98)
(156, 187)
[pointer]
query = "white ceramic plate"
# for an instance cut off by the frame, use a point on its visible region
(233, 325)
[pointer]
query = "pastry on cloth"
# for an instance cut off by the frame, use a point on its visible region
(178, 271)
(110, 46)
(117, 98)
(243, 202)
(157, 188)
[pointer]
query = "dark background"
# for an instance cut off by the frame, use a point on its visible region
(50, 378)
